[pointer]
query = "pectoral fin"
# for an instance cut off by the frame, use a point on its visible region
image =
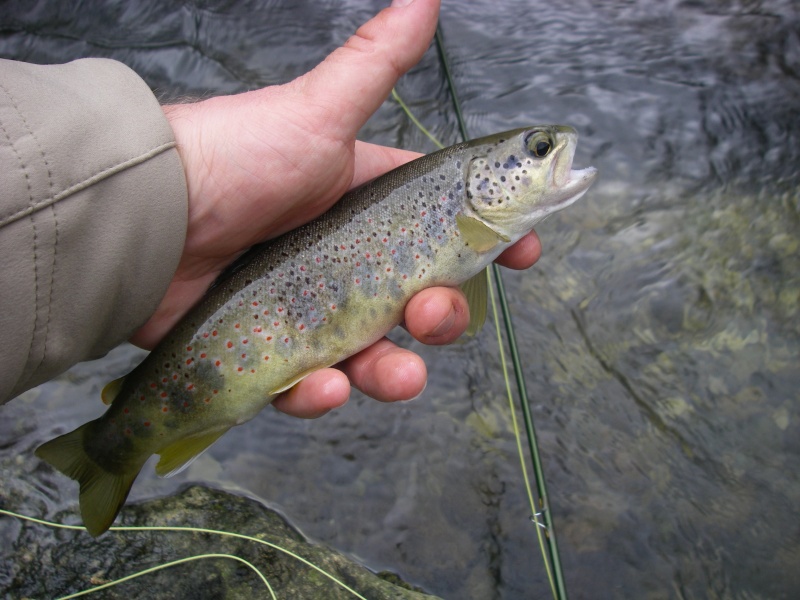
(476, 291)
(477, 235)
(176, 457)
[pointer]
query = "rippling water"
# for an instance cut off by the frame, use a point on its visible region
(659, 332)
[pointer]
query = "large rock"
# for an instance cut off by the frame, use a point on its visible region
(47, 563)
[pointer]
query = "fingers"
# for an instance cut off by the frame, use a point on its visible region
(354, 80)
(437, 316)
(523, 254)
(387, 372)
(317, 394)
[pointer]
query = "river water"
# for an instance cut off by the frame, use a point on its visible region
(659, 333)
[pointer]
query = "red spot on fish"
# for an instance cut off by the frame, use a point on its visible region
(163, 394)
(302, 268)
(128, 431)
(240, 369)
(146, 423)
(256, 329)
(237, 326)
(367, 255)
(203, 355)
(394, 251)
(165, 409)
(388, 269)
(358, 263)
(318, 259)
(280, 309)
(321, 285)
(217, 363)
(252, 370)
(205, 335)
(266, 358)
(207, 400)
(216, 391)
(358, 281)
(175, 377)
(229, 344)
(164, 380)
(153, 385)
(276, 323)
(126, 410)
(333, 307)
(190, 387)
(244, 341)
(255, 302)
(141, 398)
(244, 355)
(269, 338)
(286, 340)
(189, 361)
(214, 333)
(185, 404)
(188, 348)
(266, 312)
(423, 213)
(301, 327)
(384, 241)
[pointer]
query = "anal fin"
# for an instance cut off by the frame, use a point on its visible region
(179, 455)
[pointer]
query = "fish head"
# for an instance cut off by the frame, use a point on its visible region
(518, 178)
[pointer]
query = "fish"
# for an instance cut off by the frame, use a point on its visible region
(314, 296)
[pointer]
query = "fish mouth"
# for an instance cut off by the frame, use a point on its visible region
(571, 186)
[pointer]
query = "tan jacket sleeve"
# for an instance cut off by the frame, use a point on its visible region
(93, 212)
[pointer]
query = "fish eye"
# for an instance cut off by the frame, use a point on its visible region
(538, 144)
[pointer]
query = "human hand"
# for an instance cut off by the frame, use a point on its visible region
(261, 163)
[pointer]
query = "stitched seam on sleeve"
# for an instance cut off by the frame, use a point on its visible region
(88, 182)
(24, 170)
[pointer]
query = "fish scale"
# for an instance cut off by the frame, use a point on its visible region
(315, 296)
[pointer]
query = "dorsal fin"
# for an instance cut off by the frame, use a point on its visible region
(476, 290)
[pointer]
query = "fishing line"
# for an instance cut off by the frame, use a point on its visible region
(557, 581)
(190, 530)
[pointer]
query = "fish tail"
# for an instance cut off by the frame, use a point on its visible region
(102, 493)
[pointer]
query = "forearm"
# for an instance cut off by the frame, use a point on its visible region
(92, 214)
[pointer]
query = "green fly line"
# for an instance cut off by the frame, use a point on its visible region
(184, 560)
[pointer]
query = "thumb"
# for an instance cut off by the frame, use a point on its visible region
(354, 80)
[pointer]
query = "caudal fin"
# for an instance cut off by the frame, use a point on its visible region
(102, 493)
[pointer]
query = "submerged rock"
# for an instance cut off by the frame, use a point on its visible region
(55, 562)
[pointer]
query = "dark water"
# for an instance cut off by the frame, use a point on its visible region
(659, 333)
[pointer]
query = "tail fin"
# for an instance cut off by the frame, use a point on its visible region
(102, 493)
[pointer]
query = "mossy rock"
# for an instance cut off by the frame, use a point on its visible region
(53, 563)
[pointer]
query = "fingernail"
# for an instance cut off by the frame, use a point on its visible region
(401, 3)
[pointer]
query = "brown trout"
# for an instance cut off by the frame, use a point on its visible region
(315, 296)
